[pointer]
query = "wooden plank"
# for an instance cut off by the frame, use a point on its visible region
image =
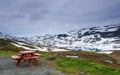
(15, 57)
(26, 52)
(37, 54)
(30, 58)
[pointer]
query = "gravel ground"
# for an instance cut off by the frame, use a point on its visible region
(8, 67)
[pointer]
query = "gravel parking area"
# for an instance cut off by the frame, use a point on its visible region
(8, 67)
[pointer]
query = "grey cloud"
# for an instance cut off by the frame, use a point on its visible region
(36, 16)
(32, 6)
(12, 17)
(103, 15)
(52, 16)
(89, 12)
(3, 3)
(36, 10)
(16, 16)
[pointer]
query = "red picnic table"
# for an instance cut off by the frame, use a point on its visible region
(26, 55)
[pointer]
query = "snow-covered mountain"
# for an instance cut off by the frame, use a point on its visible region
(90, 39)
(27, 43)
(5, 36)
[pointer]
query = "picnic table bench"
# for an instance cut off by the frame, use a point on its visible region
(26, 55)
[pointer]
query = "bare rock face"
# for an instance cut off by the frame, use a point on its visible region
(108, 61)
(83, 73)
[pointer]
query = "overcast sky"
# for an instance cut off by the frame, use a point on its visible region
(39, 17)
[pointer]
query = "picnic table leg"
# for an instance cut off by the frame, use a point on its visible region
(30, 62)
(18, 62)
(35, 60)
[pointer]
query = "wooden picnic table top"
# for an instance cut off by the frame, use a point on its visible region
(26, 55)
(26, 52)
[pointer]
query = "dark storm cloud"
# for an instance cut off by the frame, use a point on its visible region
(106, 14)
(33, 7)
(34, 17)
(88, 11)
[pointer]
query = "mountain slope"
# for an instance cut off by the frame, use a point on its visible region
(6, 45)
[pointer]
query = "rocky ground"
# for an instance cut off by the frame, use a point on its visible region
(8, 67)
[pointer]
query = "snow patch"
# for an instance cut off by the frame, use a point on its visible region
(24, 47)
(57, 50)
(108, 52)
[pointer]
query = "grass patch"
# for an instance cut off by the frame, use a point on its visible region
(75, 66)
(4, 42)
(7, 46)
(11, 47)
(7, 53)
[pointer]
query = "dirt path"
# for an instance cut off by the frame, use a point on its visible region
(8, 67)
